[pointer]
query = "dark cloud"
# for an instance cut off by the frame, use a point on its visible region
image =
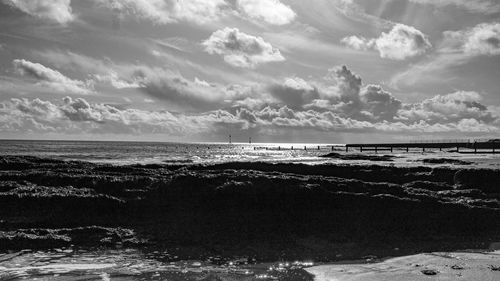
(381, 104)
(294, 92)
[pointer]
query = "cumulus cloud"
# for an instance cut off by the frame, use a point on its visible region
(478, 6)
(294, 92)
(380, 104)
(338, 102)
(452, 107)
(340, 91)
(271, 11)
(240, 49)
(76, 116)
(400, 43)
(55, 10)
(483, 39)
(52, 79)
(358, 43)
(168, 11)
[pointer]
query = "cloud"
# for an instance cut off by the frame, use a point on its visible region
(294, 92)
(115, 81)
(357, 43)
(52, 79)
(77, 116)
(477, 6)
(459, 112)
(457, 48)
(240, 49)
(271, 11)
(166, 85)
(483, 39)
(400, 43)
(55, 10)
(168, 11)
(452, 107)
(380, 104)
(341, 91)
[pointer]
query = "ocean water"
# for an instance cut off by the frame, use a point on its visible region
(157, 152)
(123, 153)
(129, 264)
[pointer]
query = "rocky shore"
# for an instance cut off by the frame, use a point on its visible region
(260, 211)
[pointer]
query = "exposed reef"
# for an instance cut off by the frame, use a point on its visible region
(368, 157)
(445, 161)
(261, 210)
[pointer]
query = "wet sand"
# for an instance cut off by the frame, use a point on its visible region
(431, 266)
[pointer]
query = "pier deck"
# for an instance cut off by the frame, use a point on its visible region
(476, 146)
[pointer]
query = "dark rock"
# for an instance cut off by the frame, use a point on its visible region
(264, 210)
(359, 157)
(457, 267)
(429, 272)
(37, 238)
(495, 268)
(445, 161)
(486, 180)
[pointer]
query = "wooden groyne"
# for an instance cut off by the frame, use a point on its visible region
(461, 146)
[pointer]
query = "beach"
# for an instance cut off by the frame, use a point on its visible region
(252, 212)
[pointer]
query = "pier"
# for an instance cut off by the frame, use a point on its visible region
(461, 146)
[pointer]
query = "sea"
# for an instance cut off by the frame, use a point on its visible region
(125, 153)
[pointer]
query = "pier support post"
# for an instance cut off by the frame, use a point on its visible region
(423, 149)
(475, 150)
(318, 147)
(360, 149)
(279, 147)
(407, 149)
(305, 147)
(292, 147)
(346, 148)
(376, 148)
(391, 149)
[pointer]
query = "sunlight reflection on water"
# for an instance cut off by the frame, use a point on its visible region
(128, 264)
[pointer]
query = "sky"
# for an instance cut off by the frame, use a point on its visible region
(322, 71)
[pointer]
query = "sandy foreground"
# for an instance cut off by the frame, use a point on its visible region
(430, 266)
